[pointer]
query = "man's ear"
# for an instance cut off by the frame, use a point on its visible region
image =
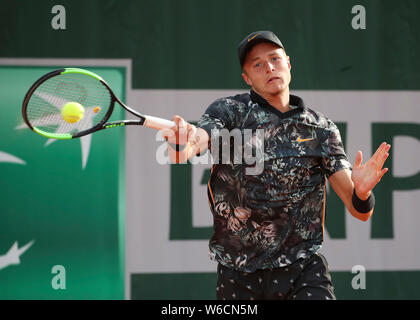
(287, 59)
(246, 79)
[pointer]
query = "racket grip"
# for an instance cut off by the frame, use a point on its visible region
(157, 123)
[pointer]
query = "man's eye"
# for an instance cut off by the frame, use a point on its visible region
(257, 65)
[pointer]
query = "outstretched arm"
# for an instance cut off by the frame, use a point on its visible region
(361, 180)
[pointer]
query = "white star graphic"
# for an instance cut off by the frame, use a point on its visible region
(12, 256)
(6, 157)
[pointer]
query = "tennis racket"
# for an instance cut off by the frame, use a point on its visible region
(42, 108)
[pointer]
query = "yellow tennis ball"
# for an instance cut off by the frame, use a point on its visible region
(72, 112)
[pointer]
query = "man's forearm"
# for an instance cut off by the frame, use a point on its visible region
(344, 187)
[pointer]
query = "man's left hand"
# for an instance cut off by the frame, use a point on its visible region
(366, 176)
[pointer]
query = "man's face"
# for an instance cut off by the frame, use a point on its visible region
(267, 69)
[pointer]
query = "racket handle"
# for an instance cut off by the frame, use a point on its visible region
(157, 123)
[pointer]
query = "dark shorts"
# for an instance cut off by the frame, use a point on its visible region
(305, 279)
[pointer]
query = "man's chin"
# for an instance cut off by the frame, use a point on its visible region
(276, 91)
(277, 86)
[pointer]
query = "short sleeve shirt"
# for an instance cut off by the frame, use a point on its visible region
(273, 218)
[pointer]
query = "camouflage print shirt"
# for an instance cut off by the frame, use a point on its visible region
(273, 218)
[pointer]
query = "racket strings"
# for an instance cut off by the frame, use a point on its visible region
(44, 109)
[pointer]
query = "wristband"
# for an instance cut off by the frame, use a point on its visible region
(177, 147)
(363, 206)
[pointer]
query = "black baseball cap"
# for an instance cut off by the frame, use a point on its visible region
(252, 39)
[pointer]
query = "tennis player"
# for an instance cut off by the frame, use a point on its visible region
(268, 227)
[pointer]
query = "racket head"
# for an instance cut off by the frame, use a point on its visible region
(44, 101)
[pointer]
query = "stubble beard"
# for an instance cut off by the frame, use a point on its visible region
(279, 89)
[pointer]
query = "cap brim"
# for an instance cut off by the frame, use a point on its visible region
(248, 47)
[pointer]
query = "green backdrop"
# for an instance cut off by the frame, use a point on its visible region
(71, 212)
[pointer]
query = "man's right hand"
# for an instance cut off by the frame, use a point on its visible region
(190, 140)
(182, 133)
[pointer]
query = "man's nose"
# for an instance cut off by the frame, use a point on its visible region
(269, 67)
